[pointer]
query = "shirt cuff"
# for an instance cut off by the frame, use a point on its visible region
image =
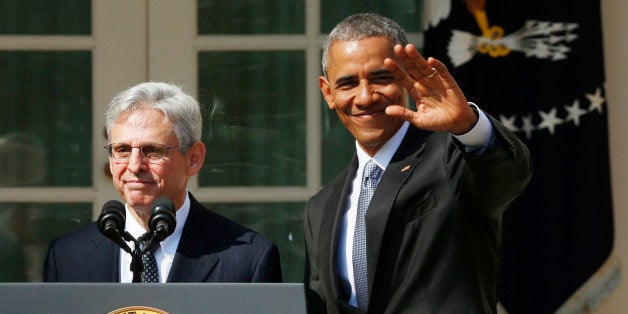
(479, 136)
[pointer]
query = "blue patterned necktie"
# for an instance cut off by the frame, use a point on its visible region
(150, 273)
(370, 178)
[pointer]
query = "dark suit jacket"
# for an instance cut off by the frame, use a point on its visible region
(212, 249)
(433, 227)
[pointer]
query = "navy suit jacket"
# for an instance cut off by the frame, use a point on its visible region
(212, 249)
(433, 227)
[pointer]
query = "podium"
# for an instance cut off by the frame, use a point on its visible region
(171, 298)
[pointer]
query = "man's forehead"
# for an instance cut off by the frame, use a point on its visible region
(346, 66)
(148, 121)
(141, 115)
(355, 42)
(346, 51)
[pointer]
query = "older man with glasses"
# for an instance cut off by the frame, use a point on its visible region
(154, 134)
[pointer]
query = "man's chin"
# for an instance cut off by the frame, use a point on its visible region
(139, 203)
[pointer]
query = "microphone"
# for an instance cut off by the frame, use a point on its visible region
(111, 221)
(162, 220)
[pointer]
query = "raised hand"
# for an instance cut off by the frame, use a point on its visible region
(441, 105)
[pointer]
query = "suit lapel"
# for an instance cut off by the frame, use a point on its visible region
(105, 257)
(191, 262)
(114, 255)
(334, 209)
(399, 169)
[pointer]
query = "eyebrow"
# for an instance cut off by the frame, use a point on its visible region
(344, 79)
(348, 78)
(380, 72)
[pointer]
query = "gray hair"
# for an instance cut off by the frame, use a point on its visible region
(179, 108)
(360, 26)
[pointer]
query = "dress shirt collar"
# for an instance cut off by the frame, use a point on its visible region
(169, 245)
(385, 154)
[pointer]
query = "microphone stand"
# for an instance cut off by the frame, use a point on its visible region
(162, 224)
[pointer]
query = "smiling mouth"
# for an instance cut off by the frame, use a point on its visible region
(371, 114)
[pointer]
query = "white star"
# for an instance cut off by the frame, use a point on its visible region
(509, 122)
(528, 126)
(596, 100)
(549, 120)
(574, 112)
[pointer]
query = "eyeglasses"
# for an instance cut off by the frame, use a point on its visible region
(152, 152)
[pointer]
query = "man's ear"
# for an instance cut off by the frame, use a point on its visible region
(195, 158)
(110, 174)
(323, 83)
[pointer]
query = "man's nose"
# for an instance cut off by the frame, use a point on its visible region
(137, 162)
(365, 95)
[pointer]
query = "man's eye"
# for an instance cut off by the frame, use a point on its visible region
(122, 149)
(153, 152)
(346, 85)
(148, 149)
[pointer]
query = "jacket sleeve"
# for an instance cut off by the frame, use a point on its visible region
(269, 267)
(498, 176)
(50, 269)
(315, 302)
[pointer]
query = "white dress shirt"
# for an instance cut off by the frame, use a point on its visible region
(477, 138)
(166, 251)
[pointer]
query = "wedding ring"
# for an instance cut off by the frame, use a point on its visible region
(434, 72)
